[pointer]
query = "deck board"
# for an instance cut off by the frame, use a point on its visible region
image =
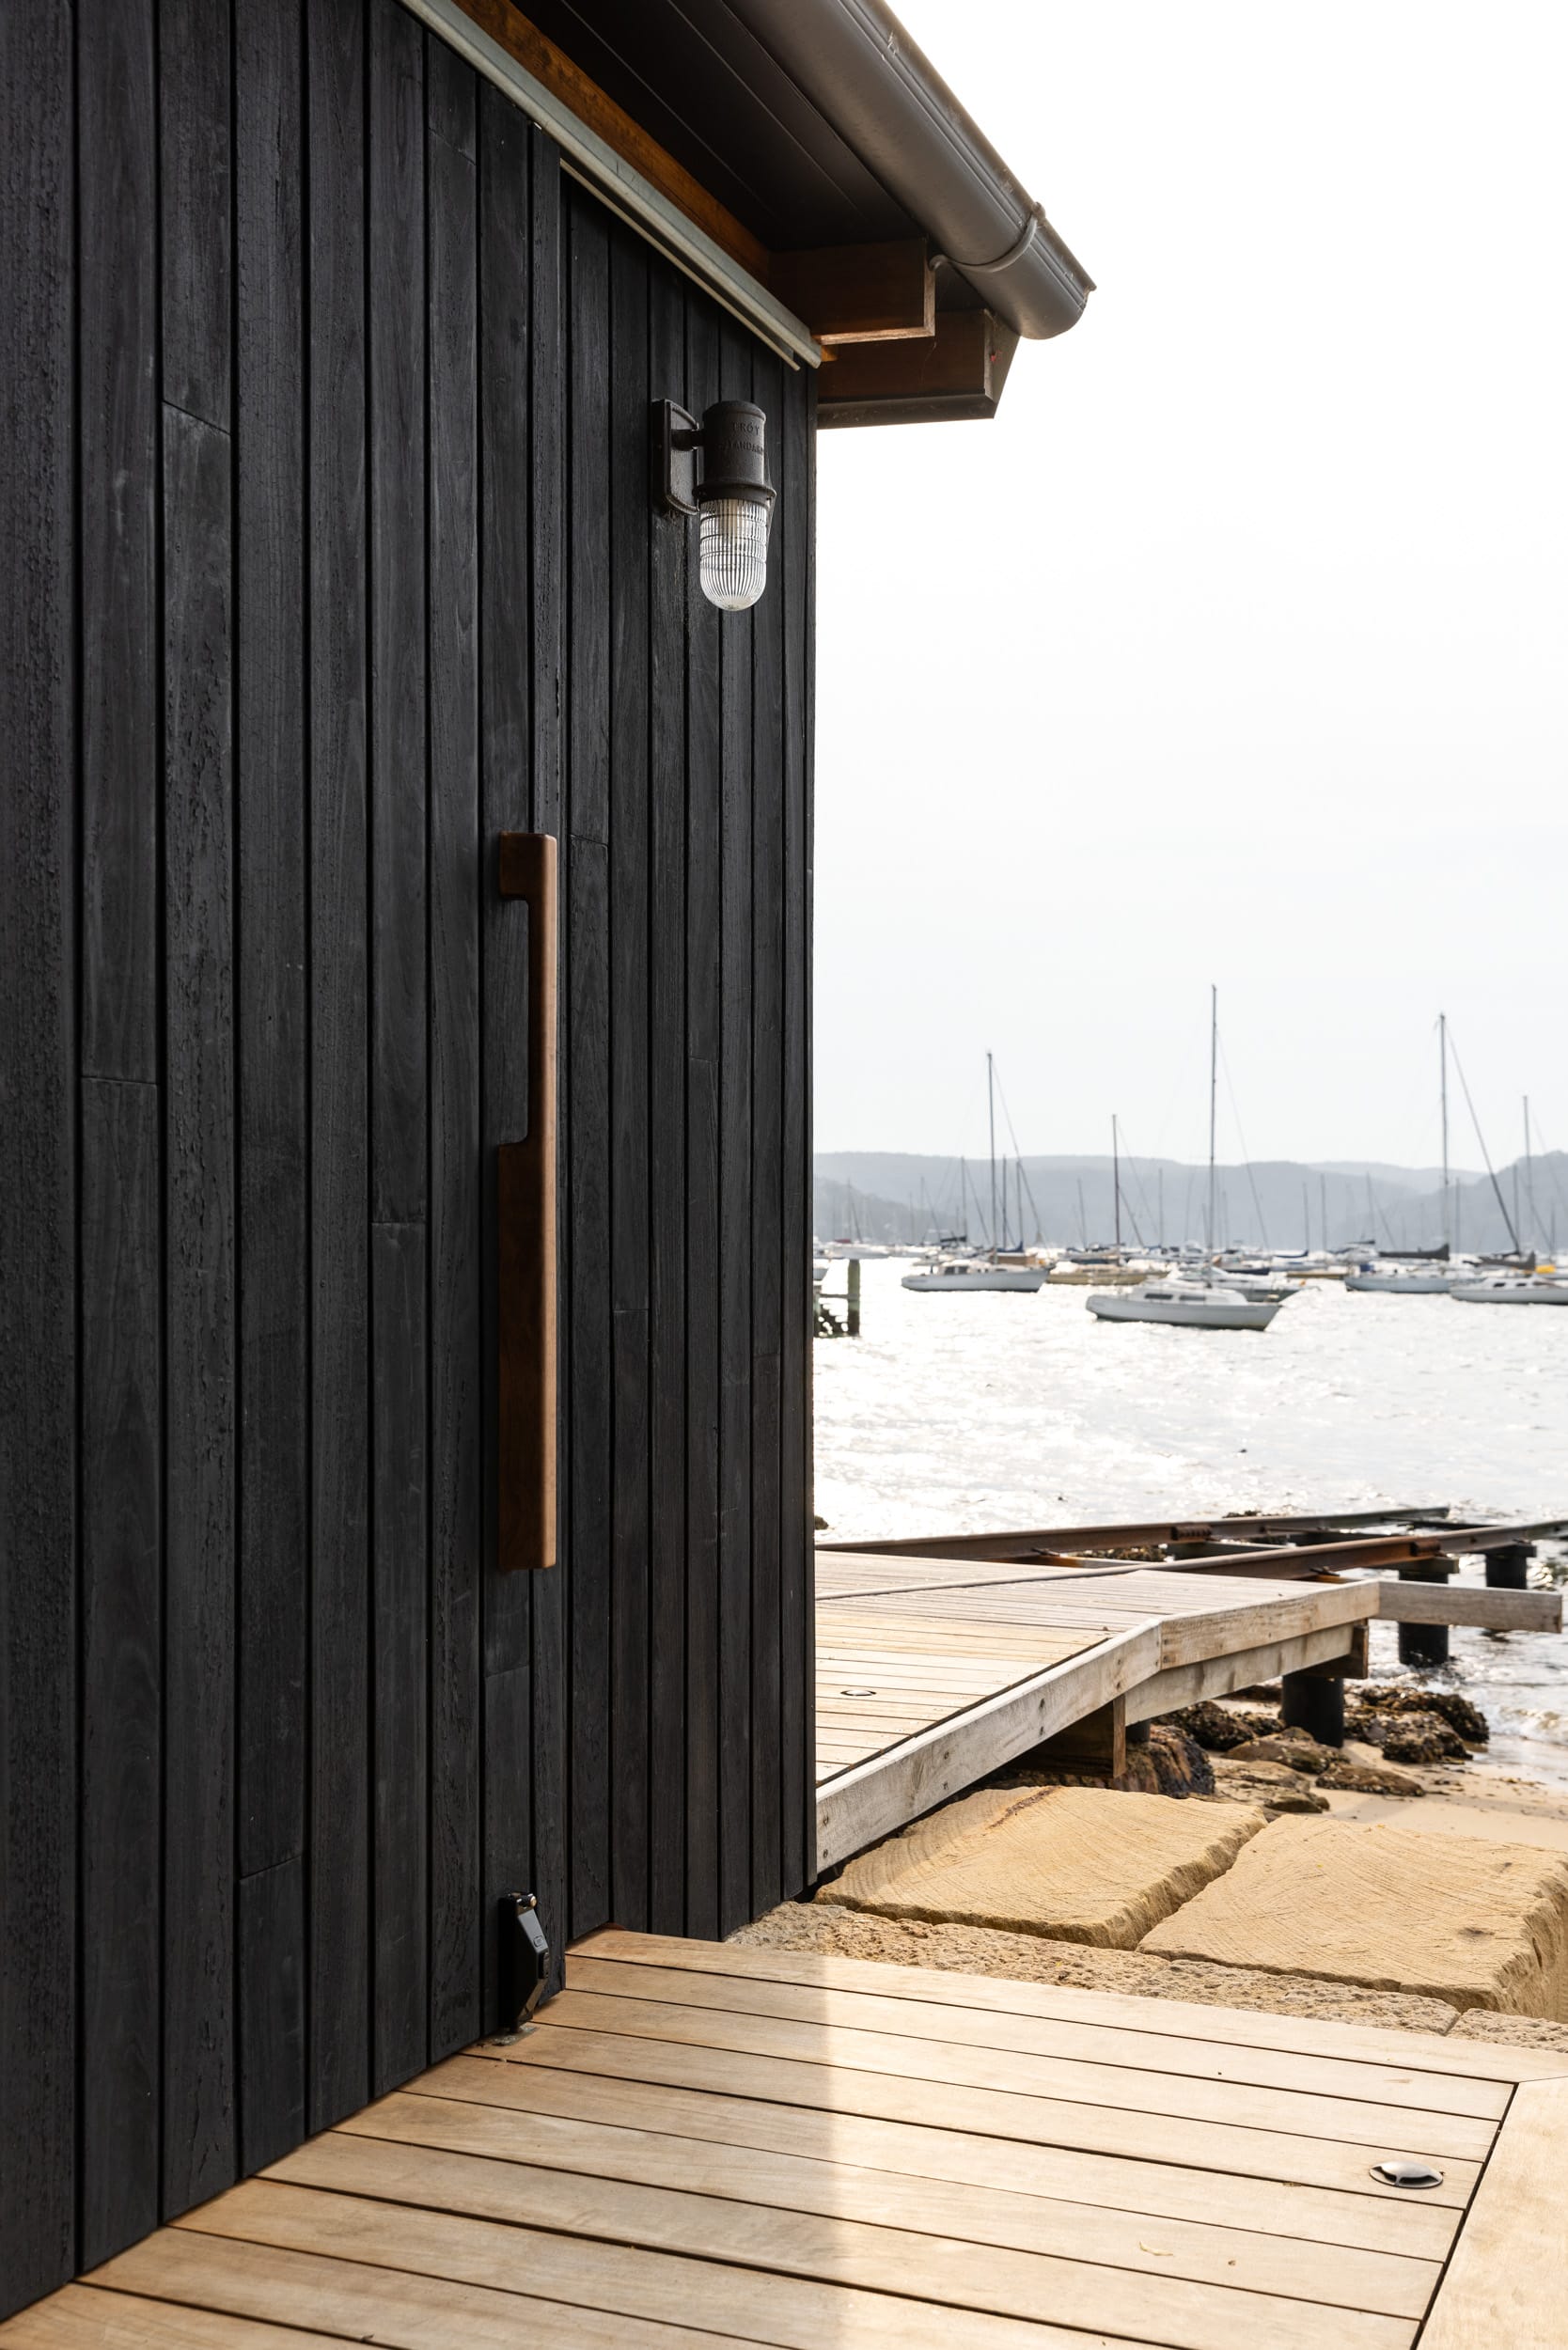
(1002, 1657)
(704, 2144)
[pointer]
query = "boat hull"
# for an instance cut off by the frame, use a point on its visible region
(1418, 1285)
(1191, 1313)
(1026, 1277)
(1484, 1294)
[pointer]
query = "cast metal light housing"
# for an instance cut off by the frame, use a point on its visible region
(732, 495)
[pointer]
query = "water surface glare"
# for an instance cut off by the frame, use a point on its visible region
(956, 1413)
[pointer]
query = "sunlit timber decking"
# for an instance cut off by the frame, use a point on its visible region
(698, 2144)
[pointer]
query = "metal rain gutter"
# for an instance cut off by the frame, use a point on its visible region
(591, 160)
(863, 73)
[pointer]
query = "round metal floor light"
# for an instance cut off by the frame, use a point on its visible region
(1405, 2170)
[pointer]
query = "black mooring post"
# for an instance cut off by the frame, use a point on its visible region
(1424, 1644)
(853, 1287)
(1508, 1570)
(1314, 1703)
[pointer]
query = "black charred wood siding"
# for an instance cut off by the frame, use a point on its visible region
(331, 557)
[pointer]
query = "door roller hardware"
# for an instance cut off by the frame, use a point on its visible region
(525, 1963)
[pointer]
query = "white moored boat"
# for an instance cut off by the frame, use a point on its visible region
(1412, 1282)
(976, 1273)
(1512, 1289)
(1194, 1304)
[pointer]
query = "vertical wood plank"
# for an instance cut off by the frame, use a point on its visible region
(666, 995)
(274, 1032)
(456, 870)
(200, 2142)
(122, 1663)
(195, 87)
(270, 741)
(630, 512)
(805, 900)
(400, 1871)
(585, 1200)
(340, 1890)
(586, 1061)
(546, 408)
(395, 204)
(767, 1192)
(704, 1046)
(504, 627)
(794, 571)
(450, 95)
(270, 1926)
(736, 1170)
(399, 1616)
(119, 329)
(38, 1171)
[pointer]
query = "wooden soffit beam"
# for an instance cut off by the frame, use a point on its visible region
(953, 374)
(861, 293)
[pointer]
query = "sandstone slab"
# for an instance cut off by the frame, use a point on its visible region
(822, 1925)
(1083, 1864)
(1513, 2031)
(1475, 1923)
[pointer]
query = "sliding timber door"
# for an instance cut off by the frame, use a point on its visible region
(324, 496)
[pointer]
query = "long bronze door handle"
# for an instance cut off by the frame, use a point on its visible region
(525, 1239)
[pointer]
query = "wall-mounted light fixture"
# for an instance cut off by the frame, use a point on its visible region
(732, 495)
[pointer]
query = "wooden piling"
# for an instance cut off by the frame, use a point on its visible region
(1424, 1643)
(1508, 1568)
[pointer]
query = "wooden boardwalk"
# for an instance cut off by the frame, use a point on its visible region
(702, 2145)
(932, 1672)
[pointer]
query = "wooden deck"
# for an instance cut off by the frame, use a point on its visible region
(933, 1673)
(699, 2144)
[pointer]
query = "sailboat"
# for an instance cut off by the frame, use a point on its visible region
(949, 1275)
(1204, 1296)
(1512, 1289)
(1207, 1303)
(976, 1273)
(1429, 1278)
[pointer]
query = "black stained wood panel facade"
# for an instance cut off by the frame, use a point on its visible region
(324, 401)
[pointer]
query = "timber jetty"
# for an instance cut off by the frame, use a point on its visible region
(942, 1658)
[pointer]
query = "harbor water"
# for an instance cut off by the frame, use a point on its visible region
(952, 1413)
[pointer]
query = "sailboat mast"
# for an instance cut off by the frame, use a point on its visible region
(1529, 1176)
(1443, 1098)
(1116, 1179)
(1214, 1100)
(990, 1102)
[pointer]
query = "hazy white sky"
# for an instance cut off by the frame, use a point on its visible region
(1233, 647)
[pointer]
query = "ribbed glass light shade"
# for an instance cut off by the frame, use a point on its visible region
(732, 552)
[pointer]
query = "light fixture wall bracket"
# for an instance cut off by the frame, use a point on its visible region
(677, 438)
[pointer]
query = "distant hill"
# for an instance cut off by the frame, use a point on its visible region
(1280, 1203)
